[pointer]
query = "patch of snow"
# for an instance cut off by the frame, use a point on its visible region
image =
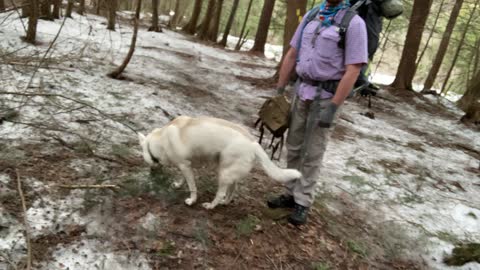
(150, 222)
(48, 215)
(93, 254)
(173, 73)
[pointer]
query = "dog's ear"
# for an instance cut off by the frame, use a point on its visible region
(141, 138)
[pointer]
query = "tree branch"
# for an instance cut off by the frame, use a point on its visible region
(25, 221)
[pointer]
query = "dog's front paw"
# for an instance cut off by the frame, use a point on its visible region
(208, 206)
(190, 201)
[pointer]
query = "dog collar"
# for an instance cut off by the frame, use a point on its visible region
(155, 160)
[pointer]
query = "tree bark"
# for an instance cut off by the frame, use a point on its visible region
(56, 9)
(406, 69)
(112, 14)
(263, 26)
(440, 9)
(213, 31)
(2, 5)
(228, 27)
(191, 26)
(437, 63)
(205, 26)
(296, 9)
(81, 7)
(68, 12)
(26, 11)
(239, 43)
(176, 15)
(472, 114)
(117, 72)
(155, 27)
(46, 10)
(32, 22)
(459, 48)
(476, 61)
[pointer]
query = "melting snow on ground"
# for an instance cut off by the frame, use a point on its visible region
(400, 176)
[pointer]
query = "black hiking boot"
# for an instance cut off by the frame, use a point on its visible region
(299, 215)
(282, 201)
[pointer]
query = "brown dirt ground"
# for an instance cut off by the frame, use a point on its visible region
(243, 235)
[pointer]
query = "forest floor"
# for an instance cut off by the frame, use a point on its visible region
(398, 190)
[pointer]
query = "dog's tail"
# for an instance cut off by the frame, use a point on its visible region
(272, 170)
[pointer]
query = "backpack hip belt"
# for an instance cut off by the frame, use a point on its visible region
(329, 86)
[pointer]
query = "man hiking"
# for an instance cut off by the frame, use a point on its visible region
(328, 56)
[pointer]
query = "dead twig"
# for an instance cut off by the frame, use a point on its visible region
(45, 67)
(238, 255)
(272, 261)
(25, 221)
(71, 99)
(89, 186)
(19, 15)
(6, 258)
(46, 53)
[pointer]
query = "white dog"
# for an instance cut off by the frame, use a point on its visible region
(186, 139)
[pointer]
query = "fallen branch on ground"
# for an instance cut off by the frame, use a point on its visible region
(89, 186)
(25, 221)
(71, 99)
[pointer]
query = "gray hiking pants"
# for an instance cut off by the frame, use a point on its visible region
(303, 190)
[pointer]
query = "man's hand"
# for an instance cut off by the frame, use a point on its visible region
(326, 115)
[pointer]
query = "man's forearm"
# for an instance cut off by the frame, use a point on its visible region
(288, 64)
(346, 84)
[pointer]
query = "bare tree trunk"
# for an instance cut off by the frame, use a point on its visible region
(263, 26)
(295, 11)
(477, 57)
(239, 43)
(460, 44)
(437, 63)
(81, 7)
(117, 72)
(213, 31)
(46, 10)
(205, 26)
(112, 14)
(155, 27)
(68, 13)
(440, 9)
(176, 10)
(26, 11)
(472, 114)
(471, 95)
(32, 22)
(2, 5)
(56, 9)
(406, 69)
(98, 6)
(228, 27)
(191, 26)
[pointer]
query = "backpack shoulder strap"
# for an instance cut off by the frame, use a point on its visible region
(347, 18)
(310, 16)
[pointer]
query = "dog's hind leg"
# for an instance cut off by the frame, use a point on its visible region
(188, 174)
(230, 192)
(219, 198)
(233, 166)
